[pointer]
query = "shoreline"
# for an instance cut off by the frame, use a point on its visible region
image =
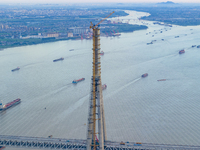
(56, 40)
(127, 29)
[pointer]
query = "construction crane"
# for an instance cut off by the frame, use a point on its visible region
(96, 115)
(94, 26)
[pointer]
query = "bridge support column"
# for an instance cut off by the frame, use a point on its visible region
(96, 117)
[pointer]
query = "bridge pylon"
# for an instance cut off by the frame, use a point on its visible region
(96, 118)
(96, 134)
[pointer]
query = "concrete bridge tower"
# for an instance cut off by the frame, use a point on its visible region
(96, 134)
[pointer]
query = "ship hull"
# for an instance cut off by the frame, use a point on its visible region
(144, 75)
(11, 105)
(181, 51)
(76, 81)
(15, 69)
(58, 59)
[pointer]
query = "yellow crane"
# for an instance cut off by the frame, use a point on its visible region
(96, 112)
(93, 26)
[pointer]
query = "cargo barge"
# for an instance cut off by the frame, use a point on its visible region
(182, 51)
(10, 104)
(144, 75)
(76, 81)
(58, 59)
(15, 69)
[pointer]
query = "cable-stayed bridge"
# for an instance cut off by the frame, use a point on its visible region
(96, 126)
(77, 144)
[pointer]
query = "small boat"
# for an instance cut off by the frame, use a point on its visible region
(101, 53)
(144, 75)
(198, 46)
(58, 59)
(193, 45)
(76, 81)
(182, 51)
(161, 80)
(71, 50)
(50, 136)
(15, 69)
(104, 86)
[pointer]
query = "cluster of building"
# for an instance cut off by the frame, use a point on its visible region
(19, 23)
(72, 32)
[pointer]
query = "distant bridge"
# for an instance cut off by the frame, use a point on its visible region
(77, 144)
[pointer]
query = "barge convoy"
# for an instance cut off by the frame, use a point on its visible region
(58, 59)
(10, 104)
(76, 81)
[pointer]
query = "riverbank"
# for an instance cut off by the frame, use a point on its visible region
(109, 29)
(179, 14)
(9, 43)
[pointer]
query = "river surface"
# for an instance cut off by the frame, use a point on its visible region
(136, 109)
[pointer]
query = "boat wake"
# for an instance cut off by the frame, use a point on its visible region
(72, 108)
(55, 91)
(66, 86)
(125, 86)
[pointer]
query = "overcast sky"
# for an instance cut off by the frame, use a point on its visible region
(95, 1)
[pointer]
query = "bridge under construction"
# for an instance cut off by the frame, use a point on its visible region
(73, 144)
(96, 126)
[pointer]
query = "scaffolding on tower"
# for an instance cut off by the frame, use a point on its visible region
(96, 117)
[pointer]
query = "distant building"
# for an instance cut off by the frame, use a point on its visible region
(70, 34)
(79, 30)
(52, 34)
(6, 26)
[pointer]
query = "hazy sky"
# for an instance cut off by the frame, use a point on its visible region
(95, 1)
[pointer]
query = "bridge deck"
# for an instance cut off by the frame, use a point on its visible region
(60, 143)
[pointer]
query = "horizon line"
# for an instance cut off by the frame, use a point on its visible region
(96, 3)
